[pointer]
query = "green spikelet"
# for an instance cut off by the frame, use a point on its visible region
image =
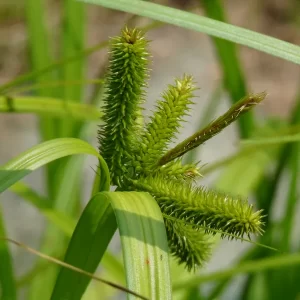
(197, 206)
(122, 104)
(165, 122)
(190, 246)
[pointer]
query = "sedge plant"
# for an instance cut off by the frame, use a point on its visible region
(139, 157)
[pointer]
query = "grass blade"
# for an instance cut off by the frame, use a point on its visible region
(67, 178)
(292, 198)
(234, 79)
(273, 141)
(8, 290)
(38, 36)
(40, 53)
(46, 106)
(72, 44)
(40, 155)
(91, 237)
(65, 202)
(67, 190)
(66, 225)
(70, 267)
(144, 243)
(276, 262)
(206, 25)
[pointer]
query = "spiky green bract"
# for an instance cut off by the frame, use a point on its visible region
(165, 123)
(213, 128)
(201, 207)
(189, 245)
(126, 79)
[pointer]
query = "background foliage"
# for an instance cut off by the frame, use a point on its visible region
(55, 85)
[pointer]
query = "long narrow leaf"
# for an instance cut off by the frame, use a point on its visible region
(72, 44)
(144, 243)
(68, 178)
(272, 141)
(218, 29)
(143, 238)
(40, 53)
(70, 267)
(66, 225)
(46, 106)
(40, 155)
(8, 289)
(292, 198)
(249, 267)
(89, 242)
(234, 79)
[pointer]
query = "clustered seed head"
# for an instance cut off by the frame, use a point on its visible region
(139, 159)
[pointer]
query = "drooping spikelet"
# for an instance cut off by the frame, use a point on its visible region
(122, 105)
(190, 246)
(201, 207)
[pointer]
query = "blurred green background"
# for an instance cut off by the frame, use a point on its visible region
(61, 46)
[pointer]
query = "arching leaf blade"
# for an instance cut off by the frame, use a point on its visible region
(144, 243)
(89, 241)
(206, 25)
(40, 155)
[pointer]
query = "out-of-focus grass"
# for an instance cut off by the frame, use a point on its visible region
(245, 174)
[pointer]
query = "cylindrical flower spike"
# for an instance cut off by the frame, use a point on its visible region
(126, 79)
(165, 123)
(198, 206)
(190, 246)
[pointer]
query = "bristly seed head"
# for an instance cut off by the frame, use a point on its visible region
(128, 72)
(198, 206)
(138, 157)
(165, 123)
